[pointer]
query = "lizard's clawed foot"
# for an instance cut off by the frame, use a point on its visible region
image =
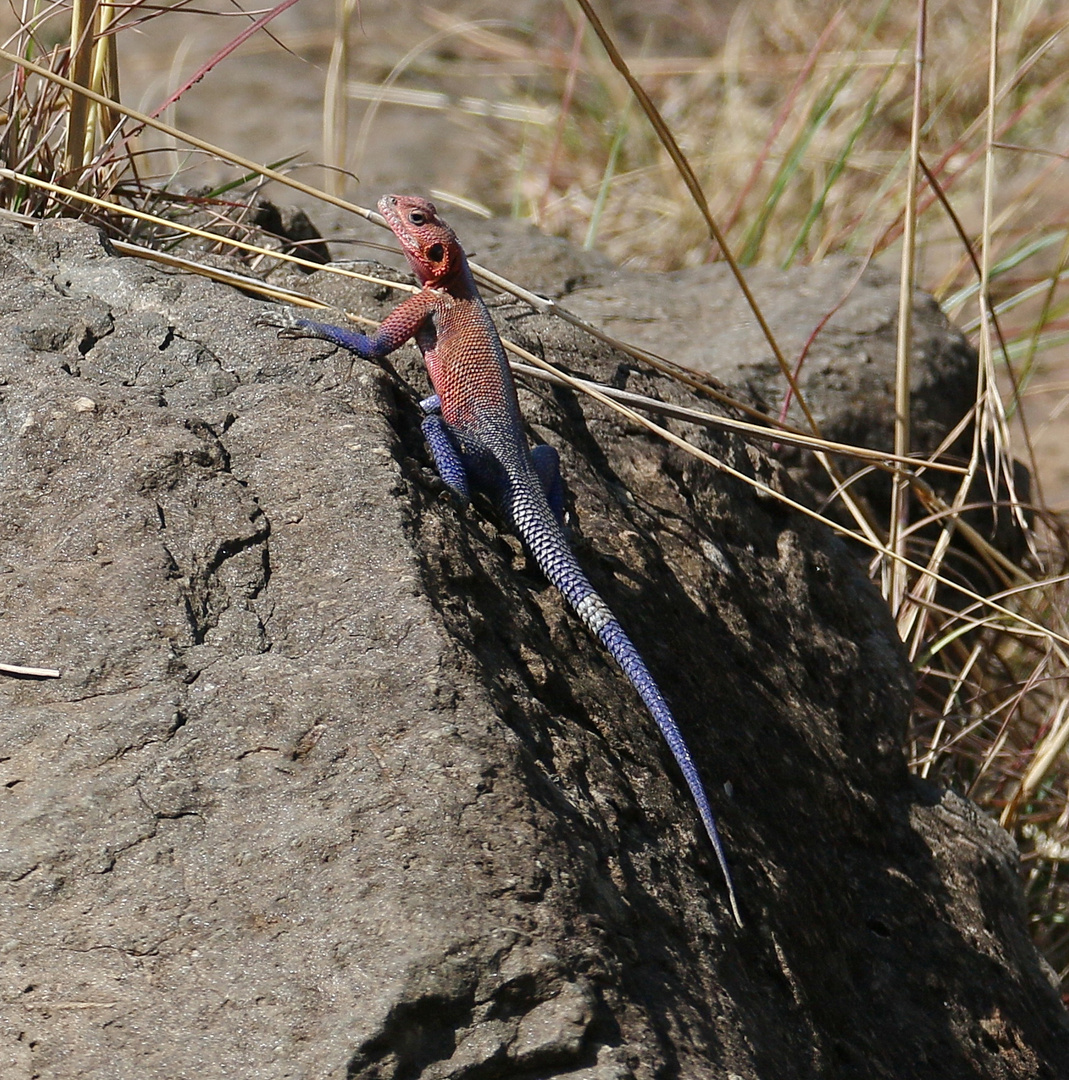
(287, 321)
(431, 480)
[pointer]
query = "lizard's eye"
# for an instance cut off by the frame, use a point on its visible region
(417, 217)
(436, 252)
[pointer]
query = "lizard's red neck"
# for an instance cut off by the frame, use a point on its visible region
(431, 246)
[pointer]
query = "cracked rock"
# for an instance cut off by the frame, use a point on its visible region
(333, 786)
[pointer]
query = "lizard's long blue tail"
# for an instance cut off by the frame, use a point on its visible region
(550, 549)
(614, 638)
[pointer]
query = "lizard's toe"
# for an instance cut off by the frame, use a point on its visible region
(285, 320)
(433, 482)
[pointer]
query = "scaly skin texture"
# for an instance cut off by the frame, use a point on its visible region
(475, 433)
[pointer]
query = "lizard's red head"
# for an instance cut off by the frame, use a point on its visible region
(430, 245)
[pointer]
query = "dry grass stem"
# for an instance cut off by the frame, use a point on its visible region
(32, 672)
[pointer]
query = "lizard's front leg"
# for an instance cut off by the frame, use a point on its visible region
(404, 322)
(291, 324)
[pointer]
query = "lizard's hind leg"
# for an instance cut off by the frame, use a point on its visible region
(547, 465)
(447, 458)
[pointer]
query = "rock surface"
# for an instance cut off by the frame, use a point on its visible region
(333, 786)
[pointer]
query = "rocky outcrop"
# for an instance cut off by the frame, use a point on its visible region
(332, 785)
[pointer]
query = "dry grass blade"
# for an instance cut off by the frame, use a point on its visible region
(253, 28)
(215, 273)
(899, 510)
(777, 434)
(81, 66)
(336, 98)
(1045, 315)
(1052, 746)
(679, 159)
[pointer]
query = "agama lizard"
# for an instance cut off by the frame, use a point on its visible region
(475, 433)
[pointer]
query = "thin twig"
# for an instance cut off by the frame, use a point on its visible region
(31, 672)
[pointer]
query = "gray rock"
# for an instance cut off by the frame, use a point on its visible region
(836, 325)
(332, 785)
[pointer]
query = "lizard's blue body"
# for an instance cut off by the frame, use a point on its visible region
(475, 433)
